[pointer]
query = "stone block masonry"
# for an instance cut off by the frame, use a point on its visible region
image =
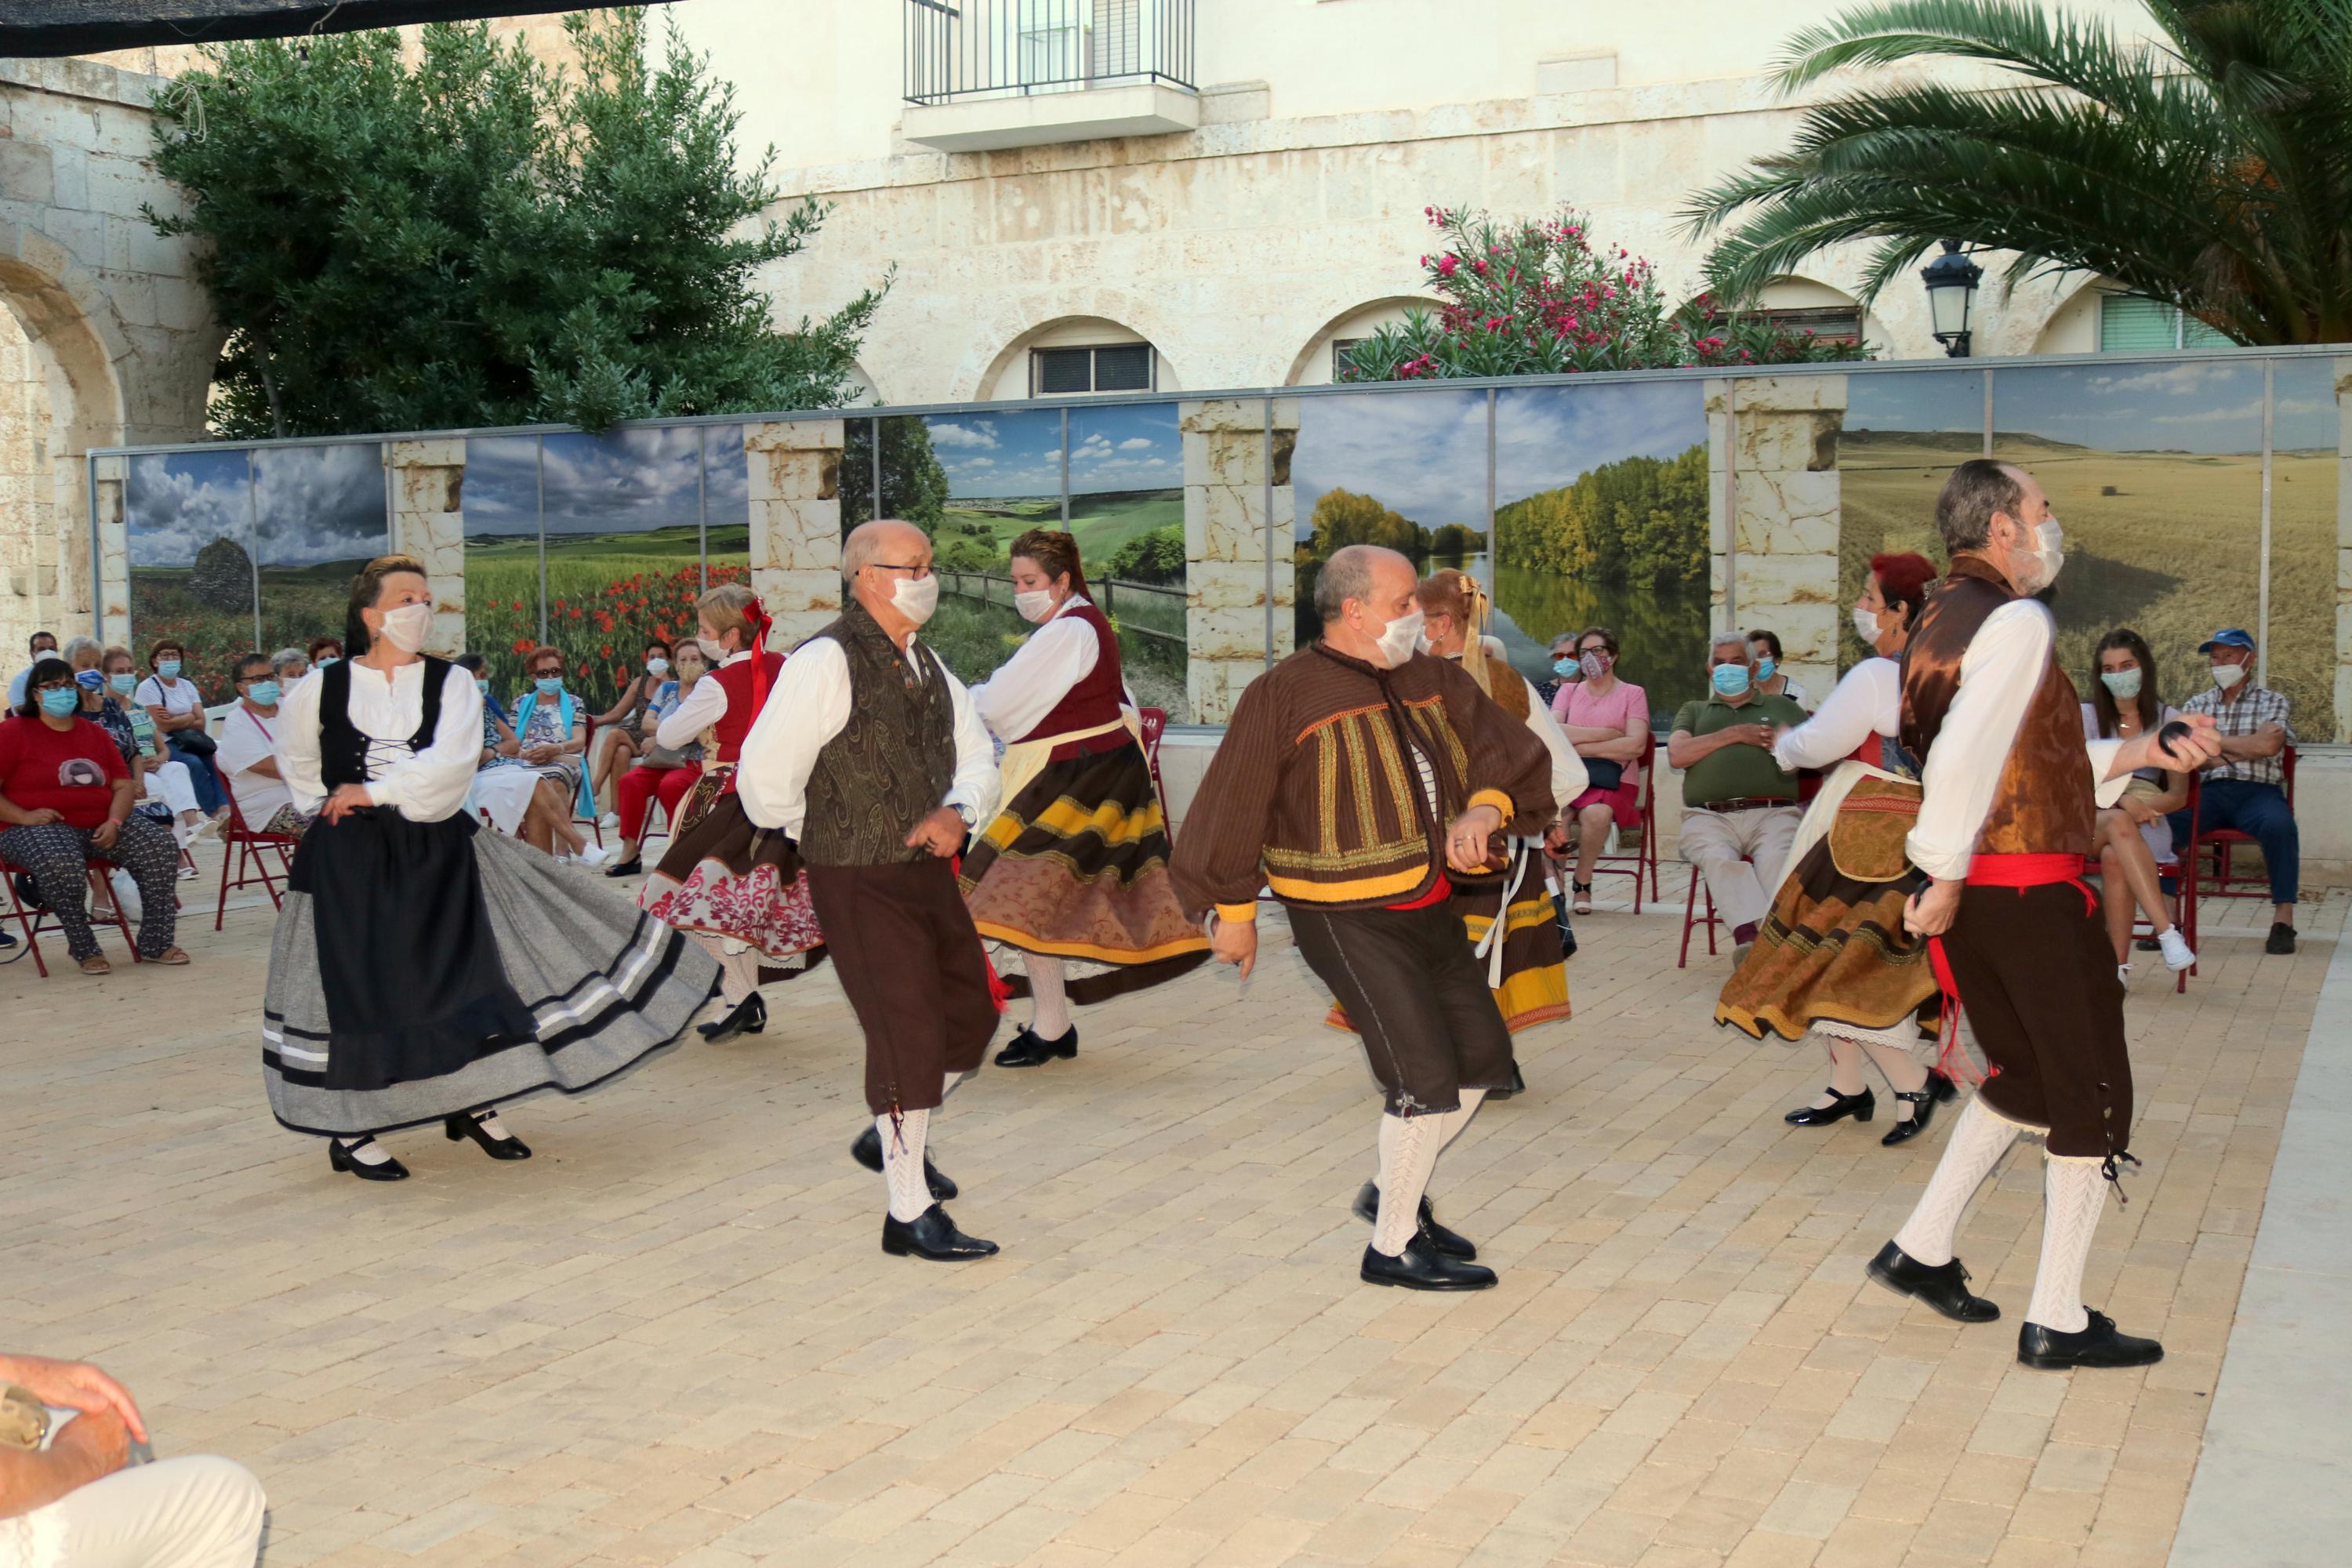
(1772, 449)
(1236, 461)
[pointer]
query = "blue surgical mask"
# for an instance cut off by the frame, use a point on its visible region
(56, 701)
(263, 693)
(325, 660)
(1731, 679)
(482, 684)
(168, 669)
(89, 680)
(1565, 668)
(550, 685)
(1765, 667)
(123, 683)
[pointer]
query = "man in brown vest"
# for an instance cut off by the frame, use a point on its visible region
(869, 754)
(2010, 790)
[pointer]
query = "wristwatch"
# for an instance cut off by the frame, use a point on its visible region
(970, 817)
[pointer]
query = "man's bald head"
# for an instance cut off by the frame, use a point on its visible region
(1362, 573)
(884, 538)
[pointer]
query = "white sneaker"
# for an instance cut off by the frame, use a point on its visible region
(187, 873)
(203, 827)
(2123, 972)
(610, 819)
(593, 855)
(2177, 955)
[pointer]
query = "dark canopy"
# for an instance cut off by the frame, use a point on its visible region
(36, 27)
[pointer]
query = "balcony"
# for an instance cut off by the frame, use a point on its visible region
(987, 74)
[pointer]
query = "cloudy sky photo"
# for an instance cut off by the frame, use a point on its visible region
(303, 505)
(624, 481)
(1422, 454)
(1547, 436)
(2187, 405)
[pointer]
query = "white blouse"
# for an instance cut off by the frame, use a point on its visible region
(1868, 701)
(423, 786)
(1567, 774)
(1049, 661)
(172, 697)
(698, 710)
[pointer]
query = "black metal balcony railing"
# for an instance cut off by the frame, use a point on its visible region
(972, 48)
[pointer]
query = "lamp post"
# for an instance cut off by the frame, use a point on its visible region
(1951, 279)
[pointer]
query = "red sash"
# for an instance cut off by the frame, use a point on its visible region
(2019, 871)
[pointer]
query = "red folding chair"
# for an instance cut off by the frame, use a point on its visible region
(2141, 925)
(1692, 919)
(1154, 724)
(103, 910)
(2225, 882)
(595, 818)
(1643, 856)
(248, 849)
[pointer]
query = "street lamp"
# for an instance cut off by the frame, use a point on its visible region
(1951, 280)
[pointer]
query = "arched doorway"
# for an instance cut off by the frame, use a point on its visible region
(59, 398)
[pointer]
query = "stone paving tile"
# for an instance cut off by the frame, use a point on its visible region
(670, 1339)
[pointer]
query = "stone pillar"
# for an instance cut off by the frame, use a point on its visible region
(428, 521)
(113, 570)
(795, 498)
(1230, 536)
(1783, 529)
(2343, 551)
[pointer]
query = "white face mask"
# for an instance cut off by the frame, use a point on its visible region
(407, 628)
(1865, 627)
(712, 651)
(1399, 639)
(1035, 605)
(915, 598)
(657, 667)
(2050, 554)
(2226, 676)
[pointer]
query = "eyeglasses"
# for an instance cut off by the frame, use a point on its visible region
(918, 568)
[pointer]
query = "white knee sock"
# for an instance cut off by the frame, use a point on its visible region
(1979, 1140)
(1846, 1071)
(902, 1164)
(1902, 1069)
(2072, 1195)
(1409, 1146)
(1049, 1016)
(739, 972)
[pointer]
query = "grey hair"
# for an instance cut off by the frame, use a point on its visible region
(73, 646)
(1346, 575)
(286, 655)
(865, 542)
(1730, 636)
(1977, 488)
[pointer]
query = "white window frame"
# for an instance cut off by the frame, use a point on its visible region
(1152, 371)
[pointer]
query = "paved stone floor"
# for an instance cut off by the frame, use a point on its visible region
(672, 1338)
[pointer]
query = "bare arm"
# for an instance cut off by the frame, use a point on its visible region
(91, 1448)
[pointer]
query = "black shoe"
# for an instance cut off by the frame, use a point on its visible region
(1943, 1286)
(1444, 1242)
(868, 1151)
(2097, 1344)
(749, 1016)
(1423, 1268)
(391, 1170)
(629, 868)
(507, 1148)
(1567, 930)
(1519, 1084)
(1861, 1107)
(2148, 944)
(1940, 1085)
(934, 1235)
(1922, 1102)
(1027, 1050)
(2282, 940)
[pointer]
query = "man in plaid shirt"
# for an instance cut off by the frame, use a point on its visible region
(2243, 790)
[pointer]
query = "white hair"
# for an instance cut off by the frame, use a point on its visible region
(865, 542)
(1731, 637)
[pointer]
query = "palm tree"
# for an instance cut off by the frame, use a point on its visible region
(2209, 168)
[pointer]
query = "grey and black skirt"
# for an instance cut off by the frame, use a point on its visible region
(423, 969)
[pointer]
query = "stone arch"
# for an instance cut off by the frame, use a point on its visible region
(2070, 323)
(1025, 322)
(1311, 367)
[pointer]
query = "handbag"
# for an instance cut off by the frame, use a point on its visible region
(195, 742)
(1603, 772)
(660, 756)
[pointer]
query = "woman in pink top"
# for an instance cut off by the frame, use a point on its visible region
(1608, 721)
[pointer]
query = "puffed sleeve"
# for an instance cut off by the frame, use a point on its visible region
(432, 784)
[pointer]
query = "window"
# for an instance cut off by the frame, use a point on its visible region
(1832, 323)
(1109, 367)
(2129, 324)
(1340, 349)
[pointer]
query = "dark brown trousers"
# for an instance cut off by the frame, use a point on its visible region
(1416, 996)
(904, 945)
(2038, 988)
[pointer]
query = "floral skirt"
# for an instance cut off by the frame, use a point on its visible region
(726, 879)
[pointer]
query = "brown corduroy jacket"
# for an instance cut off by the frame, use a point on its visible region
(1315, 793)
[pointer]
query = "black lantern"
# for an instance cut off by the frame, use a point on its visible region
(1951, 280)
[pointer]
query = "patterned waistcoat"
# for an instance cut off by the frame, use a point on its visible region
(892, 763)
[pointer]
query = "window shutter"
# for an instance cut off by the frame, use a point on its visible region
(2196, 334)
(1063, 370)
(1125, 368)
(2129, 324)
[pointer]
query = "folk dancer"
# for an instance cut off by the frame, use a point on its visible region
(871, 757)
(1075, 867)
(1352, 778)
(2009, 793)
(423, 969)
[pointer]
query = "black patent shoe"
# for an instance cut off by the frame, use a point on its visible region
(2097, 1344)
(1421, 1266)
(1922, 1102)
(932, 1235)
(626, 868)
(1861, 1107)
(868, 1151)
(1447, 1243)
(1567, 930)
(1028, 1051)
(1518, 1086)
(749, 1017)
(1943, 1286)
(388, 1170)
(465, 1126)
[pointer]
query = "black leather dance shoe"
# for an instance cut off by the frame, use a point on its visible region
(2096, 1344)
(1861, 1107)
(932, 1235)
(391, 1170)
(1367, 1207)
(1937, 1090)
(868, 1151)
(629, 868)
(1518, 1086)
(1567, 930)
(1421, 1266)
(507, 1148)
(749, 1016)
(1943, 1286)
(1027, 1050)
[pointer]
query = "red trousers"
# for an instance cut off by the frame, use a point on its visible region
(632, 789)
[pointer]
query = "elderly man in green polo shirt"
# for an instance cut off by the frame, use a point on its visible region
(1739, 809)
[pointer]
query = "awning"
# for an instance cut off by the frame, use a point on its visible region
(30, 28)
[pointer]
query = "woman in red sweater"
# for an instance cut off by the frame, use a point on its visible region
(66, 798)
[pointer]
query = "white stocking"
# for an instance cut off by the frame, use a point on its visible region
(2072, 1193)
(739, 972)
(1448, 1125)
(363, 1149)
(902, 1164)
(1979, 1140)
(1902, 1071)
(1845, 1070)
(1409, 1146)
(1049, 1015)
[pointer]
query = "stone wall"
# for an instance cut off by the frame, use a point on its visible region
(1230, 454)
(428, 521)
(1783, 465)
(795, 494)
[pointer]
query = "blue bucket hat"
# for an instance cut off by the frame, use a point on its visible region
(2228, 637)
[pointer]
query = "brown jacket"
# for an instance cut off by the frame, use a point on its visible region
(1314, 791)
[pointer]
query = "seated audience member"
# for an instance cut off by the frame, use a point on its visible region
(2245, 791)
(166, 790)
(661, 774)
(77, 1501)
(631, 730)
(66, 798)
(2133, 836)
(249, 751)
(289, 665)
(522, 803)
(1739, 810)
(1771, 680)
(178, 710)
(324, 651)
(553, 725)
(42, 645)
(1607, 719)
(1563, 668)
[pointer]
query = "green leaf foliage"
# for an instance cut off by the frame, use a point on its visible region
(1154, 557)
(464, 236)
(1639, 521)
(914, 486)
